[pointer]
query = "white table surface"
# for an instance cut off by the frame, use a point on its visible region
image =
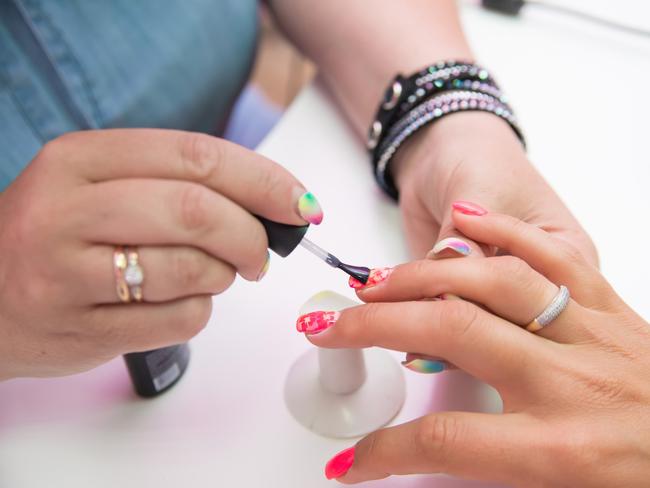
(225, 423)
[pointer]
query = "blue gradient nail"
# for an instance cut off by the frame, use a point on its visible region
(426, 366)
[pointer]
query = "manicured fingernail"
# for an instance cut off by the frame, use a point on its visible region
(265, 268)
(426, 366)
(339, 464)
(309, 208)
(315, 322)
(377, 275)
(468, 208)
(447, 296)
(455, 244)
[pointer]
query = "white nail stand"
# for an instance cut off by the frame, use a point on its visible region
(343, 392)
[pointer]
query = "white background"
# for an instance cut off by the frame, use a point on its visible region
(580, 93)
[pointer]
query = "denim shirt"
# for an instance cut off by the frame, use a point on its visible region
(68, 65)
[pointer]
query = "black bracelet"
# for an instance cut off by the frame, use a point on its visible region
(404, 93)
(424, 97)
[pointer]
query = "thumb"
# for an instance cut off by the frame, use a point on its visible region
(471, 445)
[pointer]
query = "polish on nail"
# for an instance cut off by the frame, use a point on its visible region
(426, 366)
(468, 208)
(315, 322)
(455, 244)
(377, 275)
(309, 208)
(340, 464)
(266, 266)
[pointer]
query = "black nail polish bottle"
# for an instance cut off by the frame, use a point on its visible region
(156, 371)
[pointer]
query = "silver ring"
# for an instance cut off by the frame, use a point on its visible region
(552, 311)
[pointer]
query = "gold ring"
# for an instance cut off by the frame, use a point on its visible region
(119, 265)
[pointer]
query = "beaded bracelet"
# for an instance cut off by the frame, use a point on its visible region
(429, 112)
(404, 93)
(477, 101)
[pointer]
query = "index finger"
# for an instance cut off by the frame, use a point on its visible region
(254, 182)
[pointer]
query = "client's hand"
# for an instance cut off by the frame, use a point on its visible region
(576, 394)
(475, 156)
(185, 199)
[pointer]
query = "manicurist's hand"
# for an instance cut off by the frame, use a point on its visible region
(576, 393)
(475, 156)
(181, 202)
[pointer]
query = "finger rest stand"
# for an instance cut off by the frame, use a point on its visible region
(343, 392)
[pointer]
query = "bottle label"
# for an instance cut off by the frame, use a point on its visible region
(163, 366)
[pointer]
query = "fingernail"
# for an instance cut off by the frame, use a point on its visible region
(377, 275)
(265, 268)
(468, 208)
(455, 244)
(339, 464)
(315, 322)
(426, 366)
(309, 208)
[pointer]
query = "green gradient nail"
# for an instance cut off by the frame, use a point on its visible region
(425, 366)
(309, 208)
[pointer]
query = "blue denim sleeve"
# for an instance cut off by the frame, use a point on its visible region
(84, 64)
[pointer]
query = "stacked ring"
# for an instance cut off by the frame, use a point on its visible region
(128, 274)
(552, 311)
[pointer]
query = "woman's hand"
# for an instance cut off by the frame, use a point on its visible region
(185, 199)
(475, 156)
(576, 395)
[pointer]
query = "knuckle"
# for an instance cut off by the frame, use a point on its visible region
(221, 279)
(195, 317)
(188, 268)
(270, 181)
(574, 447)
(461, 318)
(368, 453)
(436, 436)
(510, 271)
(421, 269)
(55, 148)
(511, 268)
(571, 254)
(193, 207)
(201, 155)
(356, 330)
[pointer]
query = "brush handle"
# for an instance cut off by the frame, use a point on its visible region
(283, 238)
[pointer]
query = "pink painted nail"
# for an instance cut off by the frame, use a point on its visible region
(339, 464)
(377, 275)
(468, 208)
(315, 322)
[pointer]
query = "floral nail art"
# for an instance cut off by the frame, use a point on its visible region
(377, 275)
(309, 208)
(315, 322)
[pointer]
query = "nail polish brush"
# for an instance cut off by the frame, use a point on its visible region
(284, 238)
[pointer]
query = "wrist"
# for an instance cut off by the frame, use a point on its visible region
(434, 152)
